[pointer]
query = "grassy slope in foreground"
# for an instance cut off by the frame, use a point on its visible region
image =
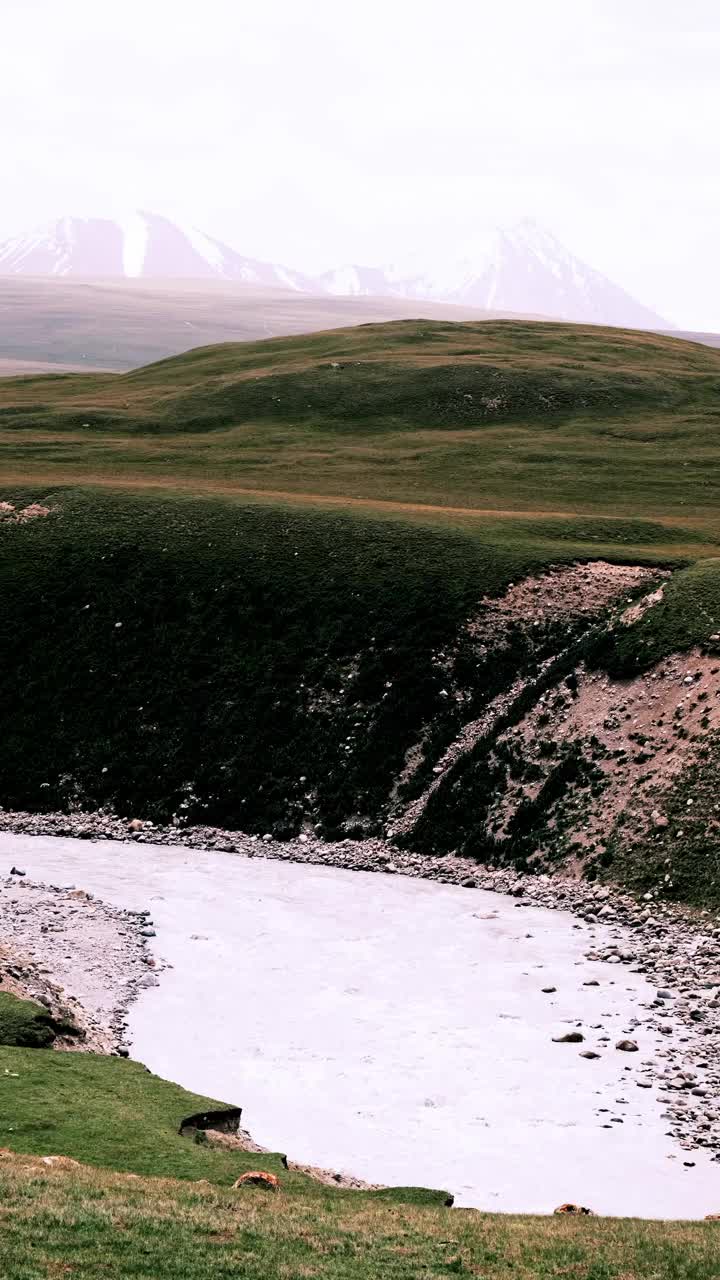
(506, 416)
(180, 1217)
(103, 1226)
(113, 1113)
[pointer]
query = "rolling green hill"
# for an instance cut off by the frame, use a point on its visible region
(501, 417)
(259, 594)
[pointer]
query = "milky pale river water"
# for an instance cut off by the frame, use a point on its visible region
(395, 1028)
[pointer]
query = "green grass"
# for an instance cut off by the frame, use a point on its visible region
(241, 609)
(120, 324)
(544, 419)
(101, 1226)
(218, 661)
(177, 1215)
(114, 1114)
(688, 616)
(245, 604)
(23, 1022)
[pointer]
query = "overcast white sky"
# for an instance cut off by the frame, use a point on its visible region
(315, 132)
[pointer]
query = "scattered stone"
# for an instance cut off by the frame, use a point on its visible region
(627, 1046)
(63, 937)
(570, 1037)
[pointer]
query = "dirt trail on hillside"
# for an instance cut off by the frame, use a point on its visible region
(225, 487)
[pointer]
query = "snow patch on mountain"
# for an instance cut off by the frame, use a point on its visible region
(522, 268)
(209, 250)
(135, 241)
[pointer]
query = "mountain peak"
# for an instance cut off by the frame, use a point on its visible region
(521, 267)
(140, 244)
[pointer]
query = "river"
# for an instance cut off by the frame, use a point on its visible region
(396, 1028)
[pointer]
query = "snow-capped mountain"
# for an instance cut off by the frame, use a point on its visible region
(143, 245)
(520, 268)
(358, 282)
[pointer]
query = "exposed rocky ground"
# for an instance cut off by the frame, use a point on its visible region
(12, 514)
(636, 736)
(676, 949)
(549, 616)
(82, 959)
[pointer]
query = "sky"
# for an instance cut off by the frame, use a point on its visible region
(313, 133)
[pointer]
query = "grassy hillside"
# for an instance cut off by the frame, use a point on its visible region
(148, 1204)
(508, 418)
(112, 1113)
(259, 590)
(259, 598)
(105, 1226)
(246, 665)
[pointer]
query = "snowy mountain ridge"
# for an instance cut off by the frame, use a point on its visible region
(144, 245)
(518, 268)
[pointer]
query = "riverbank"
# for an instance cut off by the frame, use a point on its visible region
(618, 944)
(85, 961)
(675, 948)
